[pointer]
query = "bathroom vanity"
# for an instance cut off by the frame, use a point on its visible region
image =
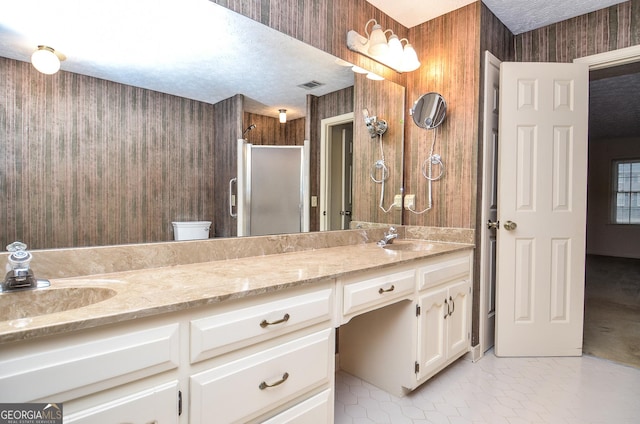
(244, 340)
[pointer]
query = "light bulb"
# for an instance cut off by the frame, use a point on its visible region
(378, 41)
(395, 49)
(410, 60)
(45, 60)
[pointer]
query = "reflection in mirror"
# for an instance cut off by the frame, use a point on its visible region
(378, 151)
(117, 150)
(429, 110)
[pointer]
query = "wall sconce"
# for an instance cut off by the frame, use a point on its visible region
(282, 113)
(388, 52)
(46, 60)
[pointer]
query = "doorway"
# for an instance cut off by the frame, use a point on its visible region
(336, 162)
(606, 60)
(612, 283)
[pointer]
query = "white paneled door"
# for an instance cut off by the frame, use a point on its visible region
(488, 230)
(541, 209)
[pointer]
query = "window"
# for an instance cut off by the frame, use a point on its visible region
(626, 192)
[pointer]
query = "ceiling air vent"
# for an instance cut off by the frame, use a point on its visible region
(310, 85)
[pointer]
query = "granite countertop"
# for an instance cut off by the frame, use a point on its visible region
(148, 292)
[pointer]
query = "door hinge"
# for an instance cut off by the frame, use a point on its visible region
(179, 402)
(418, 310)
(416, 367)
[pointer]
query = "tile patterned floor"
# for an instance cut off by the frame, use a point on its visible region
(585, 390)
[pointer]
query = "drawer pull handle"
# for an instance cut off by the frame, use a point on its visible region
(264, 384)
(448, 313)
(266, 323)
(390, 289)
(453, 303)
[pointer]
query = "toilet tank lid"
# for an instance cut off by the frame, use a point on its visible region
(189, 223)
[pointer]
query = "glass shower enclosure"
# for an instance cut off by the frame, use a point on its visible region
(273, 189)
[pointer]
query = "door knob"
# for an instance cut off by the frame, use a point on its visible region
(493, 225)
(510, 225)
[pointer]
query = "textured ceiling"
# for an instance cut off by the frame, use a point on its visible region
(517, 15)
(525, 15)
(189, 48)
(199, 50)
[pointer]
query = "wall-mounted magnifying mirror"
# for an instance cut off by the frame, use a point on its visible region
(429, 111)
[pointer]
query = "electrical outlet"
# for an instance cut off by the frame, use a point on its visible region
(410, 201)
(314, 201)
(397, 201)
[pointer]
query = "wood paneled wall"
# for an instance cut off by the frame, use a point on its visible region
(269, 130)
(90, 162)
(385, 100)
(601, 31)
(319, 108)
(448, 47)
(228, 128)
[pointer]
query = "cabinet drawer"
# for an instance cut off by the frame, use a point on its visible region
(317, 409)
(224, 332)
(156, 405)
(237, 392)
(377, 291)
(86, 367)
(446, 269)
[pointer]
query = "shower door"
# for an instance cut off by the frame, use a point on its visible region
(273, 189)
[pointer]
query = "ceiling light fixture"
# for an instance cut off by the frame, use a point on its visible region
(46, 60)
(388, 52)
(282, 113)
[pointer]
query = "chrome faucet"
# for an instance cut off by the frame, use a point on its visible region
(389, 236)
(20, 275)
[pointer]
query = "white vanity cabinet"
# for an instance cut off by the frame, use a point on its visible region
(444, 312)
(118, 374)
(271, 358)
(263, 357)
(399, 346)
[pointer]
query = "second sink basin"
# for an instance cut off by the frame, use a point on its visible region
(409, 245)
(29, 303)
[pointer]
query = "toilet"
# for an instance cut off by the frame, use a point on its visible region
(191, 230)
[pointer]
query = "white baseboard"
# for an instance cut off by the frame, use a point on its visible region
(475, 353)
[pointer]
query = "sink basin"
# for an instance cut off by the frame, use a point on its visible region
(409, 245)
(29, 303)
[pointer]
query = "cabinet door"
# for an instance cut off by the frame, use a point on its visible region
(158, 405)
(458, 331)
(431, 330)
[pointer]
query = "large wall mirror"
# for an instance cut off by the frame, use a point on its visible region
(121, 143)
